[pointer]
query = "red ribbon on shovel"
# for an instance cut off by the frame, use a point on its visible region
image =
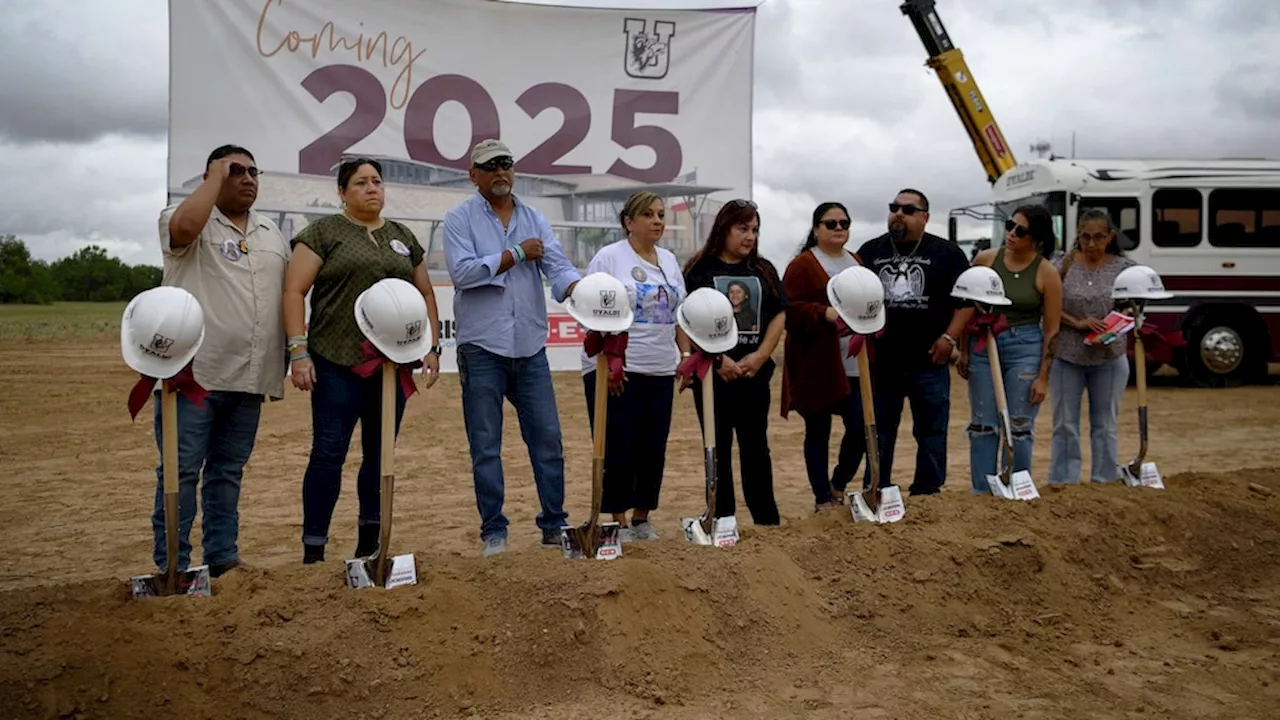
(1160, 345)
(614, 347)
(184, 383)
(696, 365)
(855, 340)
(373, 359)
(979, 325)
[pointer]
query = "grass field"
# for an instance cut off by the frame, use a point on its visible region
(60, 321)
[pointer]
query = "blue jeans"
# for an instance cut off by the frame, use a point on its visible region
(1105, 384)
(929, 393)
(487, 379)
(1020, 348)
(853, 446)
(214, 441)
(339, 399)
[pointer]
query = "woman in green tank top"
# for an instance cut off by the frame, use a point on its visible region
(1025, 346)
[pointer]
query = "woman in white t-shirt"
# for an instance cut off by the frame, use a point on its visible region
(639, 413)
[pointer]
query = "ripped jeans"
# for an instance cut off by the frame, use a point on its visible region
(1020, 349)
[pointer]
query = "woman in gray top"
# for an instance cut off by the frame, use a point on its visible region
(1088, 272)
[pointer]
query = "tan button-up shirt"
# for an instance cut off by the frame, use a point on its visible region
(241, 294)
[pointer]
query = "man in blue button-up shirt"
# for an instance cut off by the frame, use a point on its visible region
(497, 250)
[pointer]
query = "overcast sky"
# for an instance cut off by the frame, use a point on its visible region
(845, 109)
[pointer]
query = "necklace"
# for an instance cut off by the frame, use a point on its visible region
(899, 260)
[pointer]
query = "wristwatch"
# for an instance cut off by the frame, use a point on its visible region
(434, 349)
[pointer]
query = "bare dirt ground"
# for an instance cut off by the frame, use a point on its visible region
(1096, 601)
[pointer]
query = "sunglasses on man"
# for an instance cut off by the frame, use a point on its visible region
(1016, 229)
(238, 169)
(906, 209)
(504, 162)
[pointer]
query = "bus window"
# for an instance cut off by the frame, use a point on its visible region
(1124, 217)
(1244, 218)
(1175, 217)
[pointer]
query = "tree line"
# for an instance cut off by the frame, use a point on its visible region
(89, 275)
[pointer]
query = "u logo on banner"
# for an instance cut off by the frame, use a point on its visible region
(648, 54)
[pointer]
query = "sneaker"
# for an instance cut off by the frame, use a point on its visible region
(494, 544)
(643, 531)
(551, 538)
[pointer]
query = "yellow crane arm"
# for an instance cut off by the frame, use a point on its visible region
(948, 62)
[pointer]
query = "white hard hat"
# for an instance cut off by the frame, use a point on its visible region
(980, 284)
(706, 316)
(600, 302)
(1139, 282)
(161, 331)
(858, 297)
(392, 314)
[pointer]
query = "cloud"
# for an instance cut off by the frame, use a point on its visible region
(60, 197)
(75, 71)
(846, 109)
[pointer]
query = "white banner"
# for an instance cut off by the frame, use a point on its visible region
(645, 95)
(594, 104)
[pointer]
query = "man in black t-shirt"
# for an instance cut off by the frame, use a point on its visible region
(922, 324)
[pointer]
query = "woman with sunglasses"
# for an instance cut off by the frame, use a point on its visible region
(1088, 273)
(819, 377)
(335, 259)
(1026, 340)
(639, 408)
(742, 393)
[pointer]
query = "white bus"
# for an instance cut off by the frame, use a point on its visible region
(1211, 228)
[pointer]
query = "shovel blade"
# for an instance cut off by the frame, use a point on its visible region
(694, 532)
(1148, 476)
(363, 572)
(602, 543)
(890, 509)
(194, 581)
(1022, 486)
(998, 488)
(724, 531)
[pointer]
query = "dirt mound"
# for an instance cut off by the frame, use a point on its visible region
(1101, 602)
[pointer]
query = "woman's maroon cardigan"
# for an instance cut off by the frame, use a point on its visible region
(813, 376)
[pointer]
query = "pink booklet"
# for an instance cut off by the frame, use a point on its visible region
(1116, 325)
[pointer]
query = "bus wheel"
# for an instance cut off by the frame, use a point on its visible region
(1218, 351)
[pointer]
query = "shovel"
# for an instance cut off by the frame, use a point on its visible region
(709, 529)
(379, 569)
(1139, 473)
(193, 581)
(873, 505)
(1006, 484)
(594, 539)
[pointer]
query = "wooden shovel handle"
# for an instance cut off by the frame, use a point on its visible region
(709, 409)
(869, 426)
(997, 374)
(386, 488)
(1140, 367)
(169, 443)
(599, 428)
(602, 404)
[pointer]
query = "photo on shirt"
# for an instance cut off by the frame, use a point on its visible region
(655, 303)
(744, 294)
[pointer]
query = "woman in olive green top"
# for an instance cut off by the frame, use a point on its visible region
(1026, 345)
(337, 258)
